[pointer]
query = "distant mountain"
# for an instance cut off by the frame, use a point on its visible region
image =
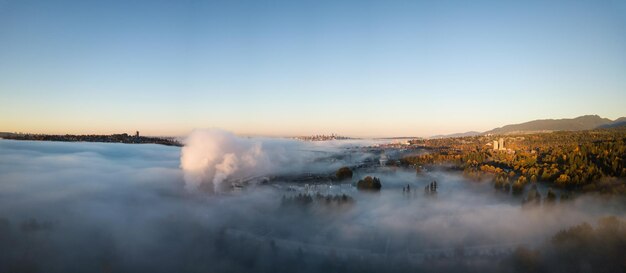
(547, 125)
(616, 123)
(466, 134)
(587, 122)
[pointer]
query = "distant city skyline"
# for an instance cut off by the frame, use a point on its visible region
(288, 68)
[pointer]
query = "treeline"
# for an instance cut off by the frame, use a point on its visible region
(304, 200)
(115, 138)
(572, 160)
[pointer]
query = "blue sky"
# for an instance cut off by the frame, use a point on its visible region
(358, 68)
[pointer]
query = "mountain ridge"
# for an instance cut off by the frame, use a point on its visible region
(586, 122)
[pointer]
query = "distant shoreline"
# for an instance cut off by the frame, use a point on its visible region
(115, 138)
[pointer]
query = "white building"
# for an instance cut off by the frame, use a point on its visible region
(383, 160)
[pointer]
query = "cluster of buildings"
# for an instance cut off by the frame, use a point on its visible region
(394, 145)
(321, 137)
(498, 145)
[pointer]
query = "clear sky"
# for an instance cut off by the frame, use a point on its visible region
(356, 68)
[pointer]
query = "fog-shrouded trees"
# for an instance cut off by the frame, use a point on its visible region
(369, 183)
(343, 173)
(533, 197)
(305, 200)
(550, 197)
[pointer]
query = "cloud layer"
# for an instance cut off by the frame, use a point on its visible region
(88, 207)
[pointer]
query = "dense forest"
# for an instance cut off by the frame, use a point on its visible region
(579, 247)
(587, 161)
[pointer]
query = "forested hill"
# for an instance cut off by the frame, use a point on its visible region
(588, 122)
(575, 124)
(590, 160)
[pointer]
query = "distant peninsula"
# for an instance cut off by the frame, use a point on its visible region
(114, 138)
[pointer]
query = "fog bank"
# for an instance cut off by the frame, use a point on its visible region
(86, 207)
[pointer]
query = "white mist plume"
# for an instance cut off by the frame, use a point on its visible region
(213, 155)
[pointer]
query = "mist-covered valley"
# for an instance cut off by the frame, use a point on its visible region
(224, 203)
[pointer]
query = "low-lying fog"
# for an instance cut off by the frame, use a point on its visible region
(89, 207)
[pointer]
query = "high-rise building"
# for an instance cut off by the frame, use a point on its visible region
(495, 145)
(501, 144)
(137, 134)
